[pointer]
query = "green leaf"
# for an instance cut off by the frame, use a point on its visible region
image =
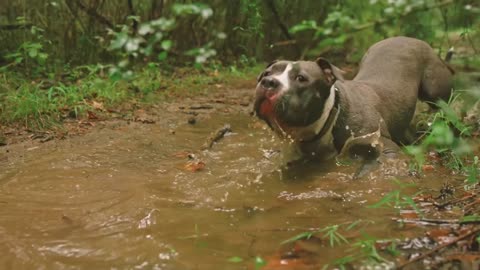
(166, 44)
(32, 53)
(353, 224)
(471, 218)
(115, 74)
(235, 259)
(409, 201)
(120, 40)
(18, 60)
(452, 117)
(162, 56)
(259, 262)
(388, 199)
(305, 235)
(145, 28)
(303, 26)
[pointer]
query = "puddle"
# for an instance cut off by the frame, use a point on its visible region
(122, 199)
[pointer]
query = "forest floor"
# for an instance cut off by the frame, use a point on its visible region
(187, 100)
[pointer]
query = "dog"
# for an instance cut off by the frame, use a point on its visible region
(324, 115)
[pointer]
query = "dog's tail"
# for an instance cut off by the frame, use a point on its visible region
(447, 59)
(449, 55)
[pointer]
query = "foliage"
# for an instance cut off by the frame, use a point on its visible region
(152, 38)
(362, 249)
(354, 24)
(397, 199)
(30, 54)
(442, 138)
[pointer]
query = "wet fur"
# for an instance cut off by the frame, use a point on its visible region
(393, 74)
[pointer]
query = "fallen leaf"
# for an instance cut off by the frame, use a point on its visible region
(195, 166)
(92, 115)
(98, 105)
(143, 117)
(439, 232)
(428, 168)
(408, 214)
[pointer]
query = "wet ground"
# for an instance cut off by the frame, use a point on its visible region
(132, 195)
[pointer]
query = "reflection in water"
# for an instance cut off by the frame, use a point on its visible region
(123, 199)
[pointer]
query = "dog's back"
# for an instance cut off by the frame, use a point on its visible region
(393, 74)
(399, 63)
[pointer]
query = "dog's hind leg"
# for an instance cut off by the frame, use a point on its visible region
(436, 82)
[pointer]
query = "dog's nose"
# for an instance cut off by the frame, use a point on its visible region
(269, 83)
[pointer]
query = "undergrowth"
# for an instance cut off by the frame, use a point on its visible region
(41, 104)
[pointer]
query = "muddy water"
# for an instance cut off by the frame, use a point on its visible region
(121, 198)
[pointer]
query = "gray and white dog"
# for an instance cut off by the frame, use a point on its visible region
(314, 106)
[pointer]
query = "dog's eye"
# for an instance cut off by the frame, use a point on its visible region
(266, 73)
(301, 78)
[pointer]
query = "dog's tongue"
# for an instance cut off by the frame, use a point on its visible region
(266, 109)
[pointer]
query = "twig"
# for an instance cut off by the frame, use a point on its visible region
(132, 13)
(93, 13)
(283, 27)
(404, 14)
(15, 26)
(427, 220)
(284, 43)
(467, 206)
(218, 135)
(439, 248)
(454, 201)
(382, 21)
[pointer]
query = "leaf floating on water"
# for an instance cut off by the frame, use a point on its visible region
(195, 166)
(235, 259)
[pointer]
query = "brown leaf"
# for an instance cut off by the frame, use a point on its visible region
(98, 105)
(142, 116)
(195, 166)
(439, 232)
(92, 115)
(409, 215)
(428, 168)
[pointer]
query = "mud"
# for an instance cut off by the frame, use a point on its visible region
(124, 197)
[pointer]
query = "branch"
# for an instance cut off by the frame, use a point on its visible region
(404, 14)
(156, 9)
(382, 21)
(15, 26)
(132, 13)
(93, 13)
(426, 254)
(283, 27)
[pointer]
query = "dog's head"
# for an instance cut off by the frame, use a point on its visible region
(292, 95)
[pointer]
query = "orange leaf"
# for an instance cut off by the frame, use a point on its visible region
(92, 115)
(428, 168)
(195, 166)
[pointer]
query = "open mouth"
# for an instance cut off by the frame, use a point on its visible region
(265, 108)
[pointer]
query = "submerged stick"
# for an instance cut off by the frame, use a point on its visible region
(216, 136)
(461, 237)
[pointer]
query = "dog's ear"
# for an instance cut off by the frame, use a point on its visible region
(260, 76)
(331, 72)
